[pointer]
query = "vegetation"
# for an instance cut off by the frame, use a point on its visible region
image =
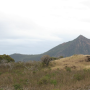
(33, 76)
(5, 58)
(61, 57)
(45, 60)
(17, 87)
(68, 69)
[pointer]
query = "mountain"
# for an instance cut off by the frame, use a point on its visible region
(80, 45)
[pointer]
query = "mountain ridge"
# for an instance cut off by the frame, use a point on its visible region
(80, 45)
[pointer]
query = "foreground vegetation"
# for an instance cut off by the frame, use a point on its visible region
(34, 76)
(6, 58)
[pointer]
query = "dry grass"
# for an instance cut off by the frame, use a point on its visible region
(32, 76)
(76, 62)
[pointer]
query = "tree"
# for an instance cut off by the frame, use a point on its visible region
(45, 60)
(6, 58)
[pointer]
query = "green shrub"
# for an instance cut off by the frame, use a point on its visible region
(78, 77)
(53, 74)
(1, 89)
(17, 87)
(6, 58)
(53, 82)
(44, 80)
(54, 58)
(0, 73)
(61, 57)
(34, 72)
(86, 70)
(68, 69)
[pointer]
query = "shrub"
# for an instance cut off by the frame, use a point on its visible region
(68, 69)
(78, 77)
(1, 89)
(53, 74)
(17, 87)
(6, 58)
(45, 60)
(60, 57)
(53, 82)
(54, 58)
(0, 73)
(44, 80)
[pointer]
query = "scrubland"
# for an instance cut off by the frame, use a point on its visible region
(70, 73)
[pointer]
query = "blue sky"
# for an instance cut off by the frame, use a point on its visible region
(35, 26)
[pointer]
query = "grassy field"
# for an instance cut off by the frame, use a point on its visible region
(76, 62)
(71, 73)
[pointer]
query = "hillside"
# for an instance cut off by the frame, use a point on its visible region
(70, 73)
(75, 62)
(80, 45)
(23, 57)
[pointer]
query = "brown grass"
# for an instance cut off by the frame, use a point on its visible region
(76, 62)
(32, 76)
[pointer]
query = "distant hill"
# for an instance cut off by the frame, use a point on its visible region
(80, 45)
(23, 57)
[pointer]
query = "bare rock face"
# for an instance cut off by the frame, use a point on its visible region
(88, 59)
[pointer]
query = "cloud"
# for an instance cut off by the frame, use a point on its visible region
(41, 25)
(17, 29)
(86, 3)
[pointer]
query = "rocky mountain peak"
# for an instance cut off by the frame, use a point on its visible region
(81, 37)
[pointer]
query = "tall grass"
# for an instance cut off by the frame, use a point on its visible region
(32, 76)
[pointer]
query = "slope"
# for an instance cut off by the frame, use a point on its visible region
(75, 62)
(80, 45)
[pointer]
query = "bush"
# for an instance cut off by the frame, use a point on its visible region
(17, 87)
(78, 77)
(61, 57)
(53, 82)
(1, 89)
(45, 60)
(6, 58)
(54, 58)
(44, 80)
(0, 73)
(68, 69)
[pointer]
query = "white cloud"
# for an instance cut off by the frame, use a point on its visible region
(34, 22)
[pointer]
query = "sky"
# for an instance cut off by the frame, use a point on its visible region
(36, 26)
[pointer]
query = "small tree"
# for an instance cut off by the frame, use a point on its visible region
(6, 58)
(60, 56)
(45, 60)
